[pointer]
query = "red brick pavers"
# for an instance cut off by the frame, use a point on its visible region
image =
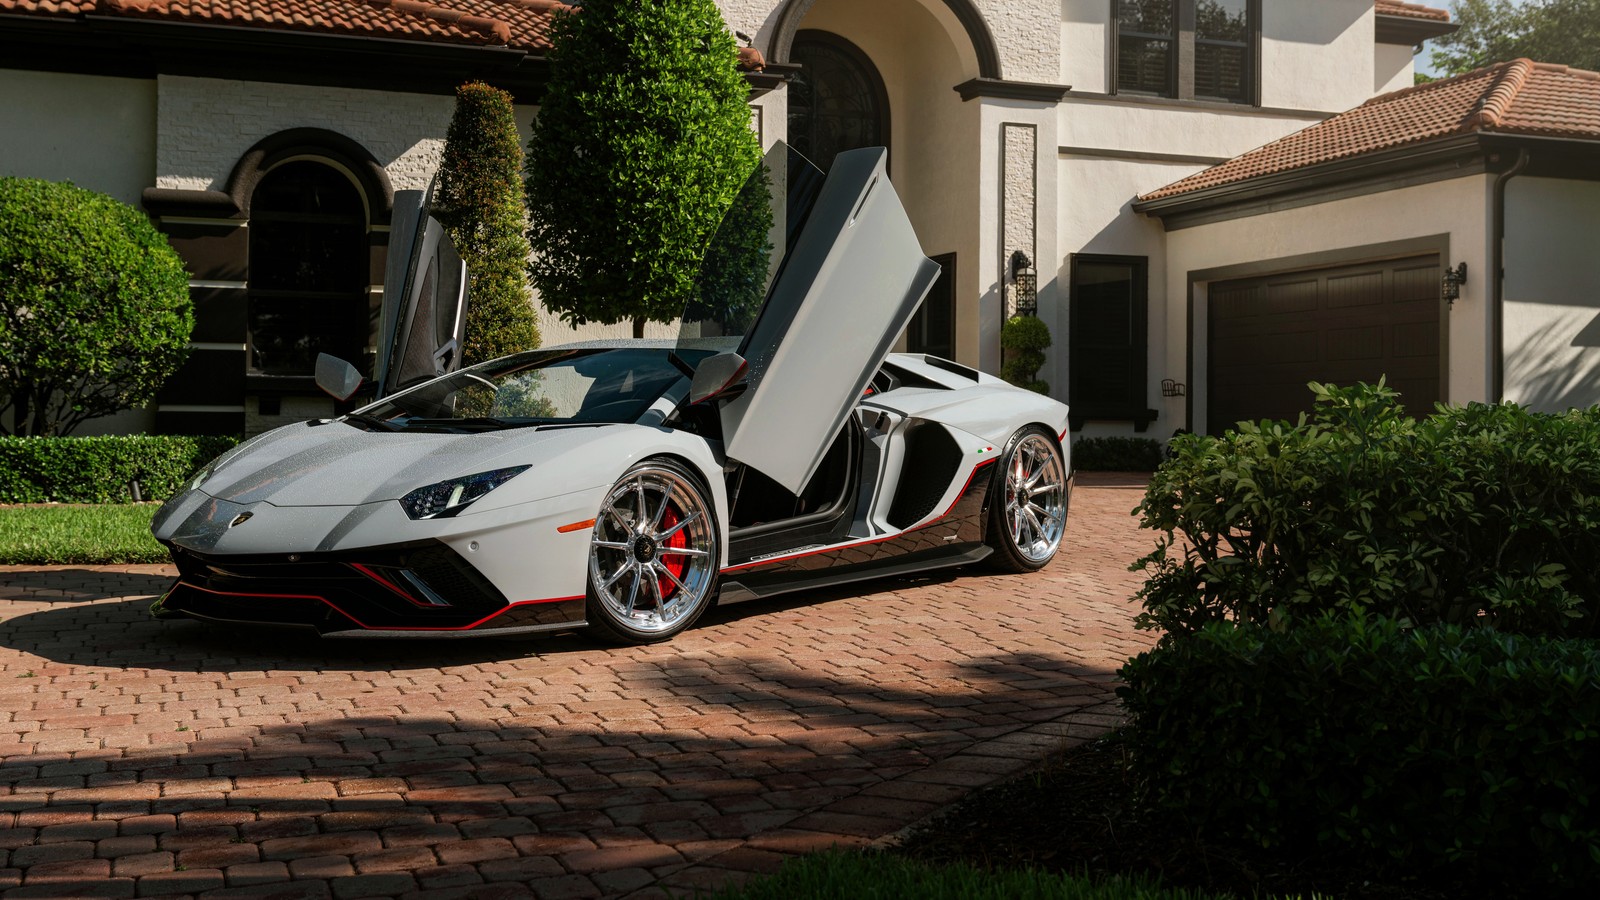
(141, 758)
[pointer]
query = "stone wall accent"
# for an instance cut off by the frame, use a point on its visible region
(1019, 197)
(206, 124)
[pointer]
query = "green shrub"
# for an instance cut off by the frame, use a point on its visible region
(642, 142)
(100, 469)
(1485, 515)
(1431, 749)
(480, 203)
(1117, 454)
(845, 875)
(1024, 338)
(94, 306)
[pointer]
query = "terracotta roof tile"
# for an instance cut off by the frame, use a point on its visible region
(1518, 97)
(1410, 10)
(520, 24)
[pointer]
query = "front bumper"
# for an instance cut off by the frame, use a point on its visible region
(419, 590)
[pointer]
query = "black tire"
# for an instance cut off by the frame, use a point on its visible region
(654, 555)
(1027, 541)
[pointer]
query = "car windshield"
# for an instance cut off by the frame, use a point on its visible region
(589, 386)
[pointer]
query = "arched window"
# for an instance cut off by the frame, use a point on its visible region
(308, 269)
(837, 102)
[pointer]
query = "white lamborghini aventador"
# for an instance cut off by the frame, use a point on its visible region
(626, 486)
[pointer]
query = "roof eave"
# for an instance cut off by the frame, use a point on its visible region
(1411, 31)
(1294, 181)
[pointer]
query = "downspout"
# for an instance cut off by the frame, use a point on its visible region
(1497, 278)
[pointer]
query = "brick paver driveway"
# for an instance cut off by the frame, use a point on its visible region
(157, 758)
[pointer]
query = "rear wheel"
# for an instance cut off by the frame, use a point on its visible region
(1028, 507)
(653, 555)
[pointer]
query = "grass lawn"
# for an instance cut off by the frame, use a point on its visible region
(112, 533)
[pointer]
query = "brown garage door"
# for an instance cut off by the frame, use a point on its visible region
(1271, 335)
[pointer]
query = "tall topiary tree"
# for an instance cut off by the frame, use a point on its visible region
(480, 204)
(642, 143)
(94, 306)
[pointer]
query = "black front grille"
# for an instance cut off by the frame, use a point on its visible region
(338, 591)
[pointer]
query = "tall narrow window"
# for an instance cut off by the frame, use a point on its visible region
(1187, 49)
(1147, 47)
(837, 102)
(1221, 50)
(1108, 340)
(308, 269)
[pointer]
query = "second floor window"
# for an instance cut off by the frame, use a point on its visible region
(1187, 49)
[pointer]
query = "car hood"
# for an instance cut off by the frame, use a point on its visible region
(336, 464)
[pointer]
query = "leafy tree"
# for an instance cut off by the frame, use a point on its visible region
(641, 144)
(480, 204)
(94, 306)
(1494, 31)
(1024, 338)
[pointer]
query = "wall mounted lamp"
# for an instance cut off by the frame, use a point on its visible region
(1452, 282)
(1170, 388)
(1025, 282)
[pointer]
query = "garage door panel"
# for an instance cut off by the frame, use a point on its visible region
(1269, 336)
(1359, 290)
(1268, 348)
(1353, 343)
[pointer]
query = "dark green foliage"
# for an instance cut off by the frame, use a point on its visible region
(94, 306)
(1483, 515)
(1445, 748)
(642, 141)
(733, 275)
(1496, 31)
(99, 469)
(480, 203)
(1116, 454)
(1024, 339)
(847, 875)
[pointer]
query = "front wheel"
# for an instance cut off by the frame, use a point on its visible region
(1028, 511)
(653, 555)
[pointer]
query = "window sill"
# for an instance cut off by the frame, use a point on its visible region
(1196, 105)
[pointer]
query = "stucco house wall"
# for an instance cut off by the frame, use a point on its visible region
(1552, 293)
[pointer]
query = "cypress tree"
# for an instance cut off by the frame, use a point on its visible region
(480, 203)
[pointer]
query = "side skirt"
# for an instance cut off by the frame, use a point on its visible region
(754, 589)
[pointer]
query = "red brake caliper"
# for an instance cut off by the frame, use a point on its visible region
(673, 563)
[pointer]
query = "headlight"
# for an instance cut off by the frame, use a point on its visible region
(446, 498)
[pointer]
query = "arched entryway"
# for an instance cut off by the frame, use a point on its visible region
(883, 74)
(837, 100)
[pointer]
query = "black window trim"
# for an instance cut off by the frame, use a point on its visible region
(1181, 78)
(1136, 409)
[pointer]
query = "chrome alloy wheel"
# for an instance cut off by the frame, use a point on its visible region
(1035, 498)
(652, 554)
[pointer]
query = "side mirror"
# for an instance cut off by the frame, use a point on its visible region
(715, 375)
(336, 377)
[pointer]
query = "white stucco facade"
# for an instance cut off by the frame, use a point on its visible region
(1012, 161)
(1552, 293)
(63, 123)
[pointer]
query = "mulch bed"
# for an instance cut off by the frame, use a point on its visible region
(1077, 813)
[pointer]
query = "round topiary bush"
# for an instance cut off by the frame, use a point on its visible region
(1024, 338)
(94, 306)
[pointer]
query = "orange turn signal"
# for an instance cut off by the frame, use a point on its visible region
(575, 526)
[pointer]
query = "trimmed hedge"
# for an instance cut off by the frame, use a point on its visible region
(100, 469)
(1482, 515)
(1117, 454)
(1441, 748)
